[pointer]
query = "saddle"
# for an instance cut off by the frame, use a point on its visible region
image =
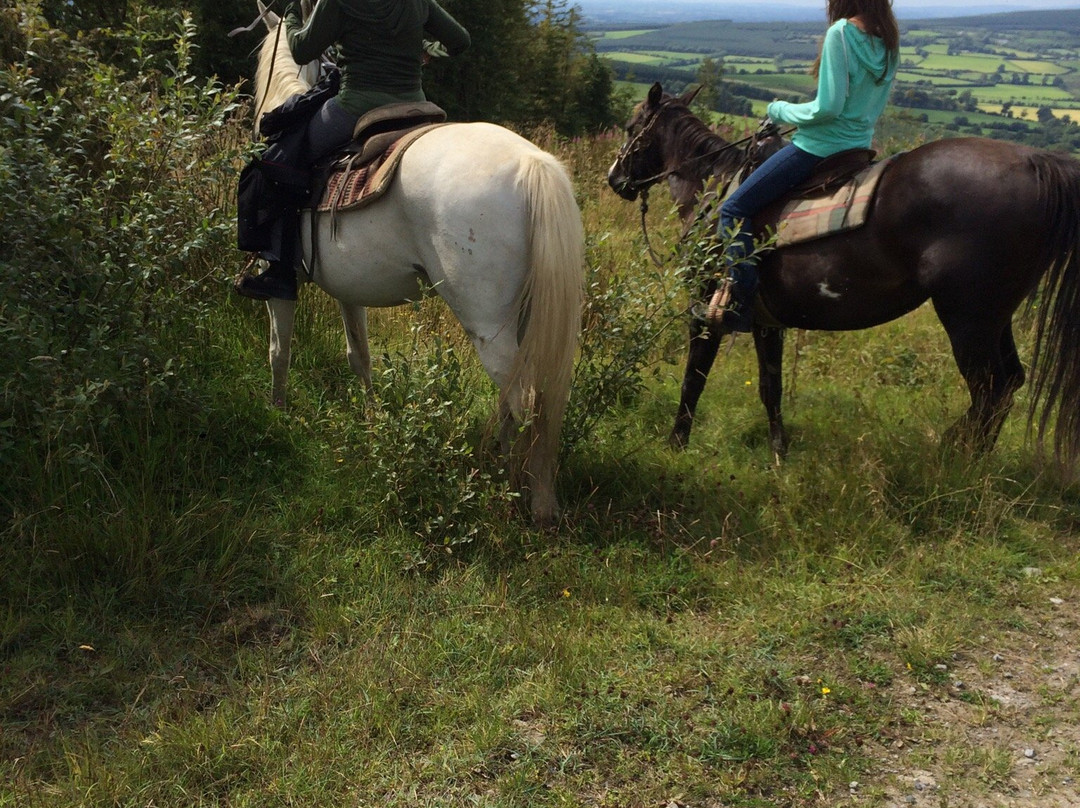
(273, 186)
(361, 172)
(836, 197)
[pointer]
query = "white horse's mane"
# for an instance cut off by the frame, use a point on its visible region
(277, 75)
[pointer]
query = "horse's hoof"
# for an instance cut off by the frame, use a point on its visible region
(546, 518)
(678, 439)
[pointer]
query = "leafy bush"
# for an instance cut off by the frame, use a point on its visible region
(426, 471)
(115, 187)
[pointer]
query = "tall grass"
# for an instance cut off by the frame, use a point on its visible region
(208, 601)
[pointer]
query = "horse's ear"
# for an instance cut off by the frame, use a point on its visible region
(269, 18)
(688, 97)
(656, 92)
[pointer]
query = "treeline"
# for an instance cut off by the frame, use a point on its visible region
(529, 64)
(776, 40)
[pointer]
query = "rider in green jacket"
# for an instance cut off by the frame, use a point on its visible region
(381, 55)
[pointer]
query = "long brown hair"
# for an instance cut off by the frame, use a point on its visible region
(877, 18)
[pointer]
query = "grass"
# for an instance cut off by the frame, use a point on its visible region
(704, 626)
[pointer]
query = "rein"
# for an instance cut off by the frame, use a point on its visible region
(648, 182)
(642, 186)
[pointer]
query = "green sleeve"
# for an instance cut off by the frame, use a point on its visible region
(832, 86)
(307, 42)
(446, 29)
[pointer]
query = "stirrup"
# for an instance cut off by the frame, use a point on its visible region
(727, 312)
(271, 283)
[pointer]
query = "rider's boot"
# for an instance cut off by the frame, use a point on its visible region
(738, 313)
(278, 281)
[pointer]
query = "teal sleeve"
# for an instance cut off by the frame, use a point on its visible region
(308, 41)
(446, 29)
(832, 86)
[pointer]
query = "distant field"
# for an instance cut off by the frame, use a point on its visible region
(625, 34)
(974, 62)
(781, 82)
(643, 57)
(1036, 66)
(944, 81)
(1019, 93)
(1023, 113)
(939, 61)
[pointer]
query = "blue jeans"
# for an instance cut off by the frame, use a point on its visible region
(768, 182)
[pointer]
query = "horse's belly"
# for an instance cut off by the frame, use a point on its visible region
(365, 260)
(376, 284)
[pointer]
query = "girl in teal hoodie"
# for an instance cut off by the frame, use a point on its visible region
(855, 72)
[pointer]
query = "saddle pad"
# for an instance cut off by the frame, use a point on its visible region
(844, 208)
(348, 187)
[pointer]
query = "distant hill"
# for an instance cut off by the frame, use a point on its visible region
(598, 13)
(792, 40)
(1065, 21)
(801, 40)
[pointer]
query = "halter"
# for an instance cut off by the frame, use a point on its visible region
(635, 145)
(641, 187)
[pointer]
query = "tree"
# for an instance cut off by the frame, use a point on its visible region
(709, 75)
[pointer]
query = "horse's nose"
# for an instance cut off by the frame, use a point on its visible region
(620, 183)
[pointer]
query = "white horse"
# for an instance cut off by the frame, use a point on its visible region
(489, 222)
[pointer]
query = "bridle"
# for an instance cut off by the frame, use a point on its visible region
(637, 143)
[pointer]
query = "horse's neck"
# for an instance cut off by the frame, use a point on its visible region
(697, 153)
(278, 76)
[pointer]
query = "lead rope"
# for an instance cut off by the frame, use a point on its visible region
(659, 262)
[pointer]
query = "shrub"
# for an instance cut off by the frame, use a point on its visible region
(115, 188)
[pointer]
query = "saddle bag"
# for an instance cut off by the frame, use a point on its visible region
(278, 181)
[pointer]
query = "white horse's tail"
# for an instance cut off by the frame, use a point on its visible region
(551, 301)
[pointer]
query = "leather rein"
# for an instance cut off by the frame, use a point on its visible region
(642, 186)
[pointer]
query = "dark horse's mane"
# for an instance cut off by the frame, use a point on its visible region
(697, 155)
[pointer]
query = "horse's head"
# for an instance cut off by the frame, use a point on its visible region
(278, 76)
(642, 159)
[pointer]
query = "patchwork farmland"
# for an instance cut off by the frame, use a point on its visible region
(1012, 76)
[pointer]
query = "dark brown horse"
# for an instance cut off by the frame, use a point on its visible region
(973, 225)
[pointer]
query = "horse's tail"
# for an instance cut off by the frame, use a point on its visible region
(550, 315)
(1055, 365)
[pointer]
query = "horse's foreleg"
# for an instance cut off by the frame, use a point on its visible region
(356, 339)
(769, 344)
(282, 319)
(704, 343)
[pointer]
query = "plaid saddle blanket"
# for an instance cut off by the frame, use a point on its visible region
(839, 208)
(350, 185)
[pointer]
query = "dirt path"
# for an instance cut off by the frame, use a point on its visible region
(1004, 729)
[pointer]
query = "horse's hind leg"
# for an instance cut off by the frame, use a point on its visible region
(987, 358)
(356, 339)
(282, 319)
(529, 449)
(704, 343)
(769, 344)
